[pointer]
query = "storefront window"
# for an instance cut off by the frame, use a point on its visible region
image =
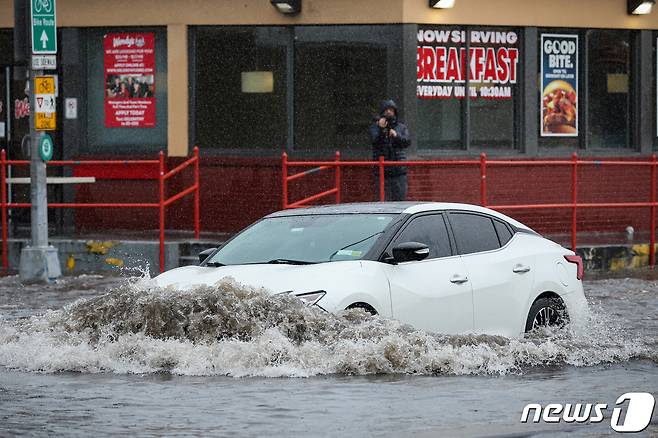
(342, 73)
(609, 88)
(440, 110)
(135, 116)
(493, 86)
(6, 55)
(6, 47)
(240, 88)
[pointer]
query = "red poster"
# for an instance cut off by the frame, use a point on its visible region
(129, 80)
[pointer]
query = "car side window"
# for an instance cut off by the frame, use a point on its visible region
(504, 234)
(430, 230)
(473, 233)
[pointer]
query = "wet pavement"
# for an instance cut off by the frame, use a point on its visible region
(109, 355)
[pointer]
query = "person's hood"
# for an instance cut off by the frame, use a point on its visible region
(390, 103)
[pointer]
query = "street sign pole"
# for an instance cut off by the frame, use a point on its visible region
(39, 261)
(38, 192)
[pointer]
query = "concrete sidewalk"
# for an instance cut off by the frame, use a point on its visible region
(121, 251)
(138, 251)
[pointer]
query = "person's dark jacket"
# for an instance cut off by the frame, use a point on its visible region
(392, 148)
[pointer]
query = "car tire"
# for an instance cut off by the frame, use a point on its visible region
(546, 312)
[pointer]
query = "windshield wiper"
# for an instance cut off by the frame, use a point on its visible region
(289, 262)
(352, 244)
(215, 264)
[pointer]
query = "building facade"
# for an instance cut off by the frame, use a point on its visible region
(244, 82)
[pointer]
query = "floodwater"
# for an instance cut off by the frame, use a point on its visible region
(117, 356)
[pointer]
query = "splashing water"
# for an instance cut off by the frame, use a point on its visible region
(232, 330)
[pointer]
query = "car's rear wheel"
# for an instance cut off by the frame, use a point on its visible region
(546, 312)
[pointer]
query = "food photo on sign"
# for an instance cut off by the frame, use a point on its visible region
(559, 85)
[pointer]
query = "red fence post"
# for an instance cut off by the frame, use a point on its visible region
(652, 244)
(284, 179)
(161, 181)
(337, 177)
(3, 181)
(382, 194)
(574, 198)
(483, 179)
(197, 195)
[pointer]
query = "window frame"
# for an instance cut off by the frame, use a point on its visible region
(470, 147)
(387, 252)
(513, 230)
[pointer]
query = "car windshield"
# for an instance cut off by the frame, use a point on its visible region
(304, 239)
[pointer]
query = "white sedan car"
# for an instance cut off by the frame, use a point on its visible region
(449, 268)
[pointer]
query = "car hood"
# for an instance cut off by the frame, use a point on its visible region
(275, 278)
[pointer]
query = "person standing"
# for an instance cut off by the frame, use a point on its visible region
(389, 138)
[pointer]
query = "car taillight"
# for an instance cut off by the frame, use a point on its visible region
(577, 260)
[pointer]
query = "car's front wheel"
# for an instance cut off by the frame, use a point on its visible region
(546, 312)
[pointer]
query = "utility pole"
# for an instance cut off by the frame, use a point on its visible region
(39, 261)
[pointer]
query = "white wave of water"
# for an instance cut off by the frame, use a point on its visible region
(231, 330)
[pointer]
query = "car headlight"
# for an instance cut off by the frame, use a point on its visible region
(310, 298)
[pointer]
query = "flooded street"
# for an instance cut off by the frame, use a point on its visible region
(97, 354)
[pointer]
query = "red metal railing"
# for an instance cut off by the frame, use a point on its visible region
(574, 163)
(161, 205)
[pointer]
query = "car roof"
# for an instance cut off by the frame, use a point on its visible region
(407, 207)
(349, 208)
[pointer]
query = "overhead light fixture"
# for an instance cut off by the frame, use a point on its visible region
(640, 7)
(290, 7)
(442, 4)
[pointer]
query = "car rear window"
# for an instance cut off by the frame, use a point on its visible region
(474, 233)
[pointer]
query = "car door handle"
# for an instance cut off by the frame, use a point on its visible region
(521, 269)
(458, 279)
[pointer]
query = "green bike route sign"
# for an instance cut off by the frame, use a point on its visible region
(44, 27)
(46, 147)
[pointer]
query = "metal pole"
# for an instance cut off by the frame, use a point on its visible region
(652, 244)
(39, 262)
(483, 179)
(3, 178)
(337, 177)
(382, 194)
(284, 179)
(161, 181)
(38, 189)
(197, 195)
(466, 123)
(574, 198)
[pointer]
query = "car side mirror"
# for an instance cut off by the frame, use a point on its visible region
(410, 251)
(203, 255)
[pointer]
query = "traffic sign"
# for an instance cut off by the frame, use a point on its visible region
(44, 27)
(44, 85)
(44, 103)
(45, 122)
(44, 94)
(44, 62)
(46, 147)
